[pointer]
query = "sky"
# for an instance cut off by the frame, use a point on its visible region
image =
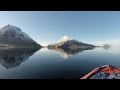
(46, 27)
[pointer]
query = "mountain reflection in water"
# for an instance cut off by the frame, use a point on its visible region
(66, 53)
(12, 57)
(47, 63)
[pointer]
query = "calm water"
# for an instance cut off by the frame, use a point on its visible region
(52, 64)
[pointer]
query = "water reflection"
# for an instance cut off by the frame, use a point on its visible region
(10, 57)
(47, 64)
(66, 53)
(106, 47)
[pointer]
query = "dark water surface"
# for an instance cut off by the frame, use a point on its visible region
(54, 64)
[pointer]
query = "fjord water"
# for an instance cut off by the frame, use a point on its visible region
(53, 64)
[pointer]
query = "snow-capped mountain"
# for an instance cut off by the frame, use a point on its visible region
(13, 36)
(70, 44)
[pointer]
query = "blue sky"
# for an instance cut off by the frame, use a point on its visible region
(46, 27)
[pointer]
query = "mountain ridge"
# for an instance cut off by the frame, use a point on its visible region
(70, 44)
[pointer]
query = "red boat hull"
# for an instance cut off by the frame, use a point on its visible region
(103, 72)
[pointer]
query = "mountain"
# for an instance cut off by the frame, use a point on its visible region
(71, 46)
(13, 36)
(74, 44)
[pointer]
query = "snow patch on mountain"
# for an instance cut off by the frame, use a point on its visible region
(64, 39)
(61, 40)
